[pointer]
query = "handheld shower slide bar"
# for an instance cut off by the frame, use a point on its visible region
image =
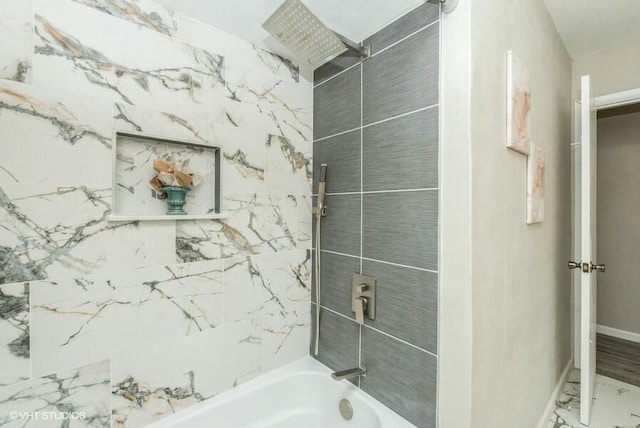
(320, 210)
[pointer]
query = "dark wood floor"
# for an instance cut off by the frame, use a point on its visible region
(618, 359)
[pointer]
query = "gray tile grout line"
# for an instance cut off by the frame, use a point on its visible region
(337, 74)
(377, 330)
(398, 116)
(378, 261)
(361, 193)
(405, 38)
(362, 126)
(373, 192)
(378, 52)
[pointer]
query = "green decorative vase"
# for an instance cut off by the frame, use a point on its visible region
(176, 198)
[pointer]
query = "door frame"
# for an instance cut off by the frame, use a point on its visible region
(615, 99)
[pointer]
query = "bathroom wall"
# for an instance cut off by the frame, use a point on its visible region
(376, 126)
(612, 70)
(618, 222)
(132, 321)
(520, 283)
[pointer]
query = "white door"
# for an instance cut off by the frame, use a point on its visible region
(589, 267)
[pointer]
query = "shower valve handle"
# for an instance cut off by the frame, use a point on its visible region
(361, 309)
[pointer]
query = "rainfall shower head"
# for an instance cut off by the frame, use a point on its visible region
(300, 31)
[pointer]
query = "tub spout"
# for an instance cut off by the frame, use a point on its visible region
(350, 373)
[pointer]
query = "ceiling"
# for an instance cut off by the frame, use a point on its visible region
(589, 26)
(586, 26)
(354, 19)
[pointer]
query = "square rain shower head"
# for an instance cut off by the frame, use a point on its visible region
(300, 31)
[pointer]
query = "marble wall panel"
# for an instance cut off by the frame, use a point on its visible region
(58, 232)
(288, 166)
(286, 316)
(53, 138)
(96, 316)
(146, 13)
(16, 43)
(81, 391)
(14, 333)
(289, 123)
(169, 377)
(256, 224)
(243, 161)
(133, 65)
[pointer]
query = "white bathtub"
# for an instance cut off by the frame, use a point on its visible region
(301, 394)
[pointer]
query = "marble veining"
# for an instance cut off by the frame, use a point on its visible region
(147, 387)
(149, 14)
(615, 404)
(148, 296)
(14, 333)
(95, 316)
(289, 165)
(53, 131)
(275, 289)
(305, 222)
(63, 231)
(292, 124)
(168, 125)
(249, 60)
(256, 75)
(243, 158)
(171, 73)
(286, 319)
(82, 390)
(257, 224)
(16, 43)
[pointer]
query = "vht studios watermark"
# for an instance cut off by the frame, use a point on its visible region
(47, 416)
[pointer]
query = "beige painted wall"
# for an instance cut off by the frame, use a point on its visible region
(520, 283)
(619, 221)
(614, 70)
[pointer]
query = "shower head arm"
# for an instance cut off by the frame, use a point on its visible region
(363, 50)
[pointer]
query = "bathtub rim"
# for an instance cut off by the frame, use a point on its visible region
(305, 365)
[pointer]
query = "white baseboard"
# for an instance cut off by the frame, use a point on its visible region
(551, 405)
(620, 334)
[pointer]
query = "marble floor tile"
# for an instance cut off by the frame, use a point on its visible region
(615, 404)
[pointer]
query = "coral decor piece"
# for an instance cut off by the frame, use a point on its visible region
(518, 105)
(535, 185)
(174, 175)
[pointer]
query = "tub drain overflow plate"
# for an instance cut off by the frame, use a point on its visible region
(346, 410)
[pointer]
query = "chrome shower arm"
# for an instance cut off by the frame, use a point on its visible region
(363, 50)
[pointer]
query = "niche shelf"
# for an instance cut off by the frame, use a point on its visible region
(133, 199)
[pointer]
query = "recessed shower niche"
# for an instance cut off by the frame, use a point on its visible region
(145, 164)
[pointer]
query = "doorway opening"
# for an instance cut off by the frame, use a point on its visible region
(601, 392)
(618, 243)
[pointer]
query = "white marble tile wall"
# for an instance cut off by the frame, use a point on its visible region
(14, 333)
(16, 47)
(164, 313)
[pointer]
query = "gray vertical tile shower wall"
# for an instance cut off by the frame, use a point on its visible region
(376, 126)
